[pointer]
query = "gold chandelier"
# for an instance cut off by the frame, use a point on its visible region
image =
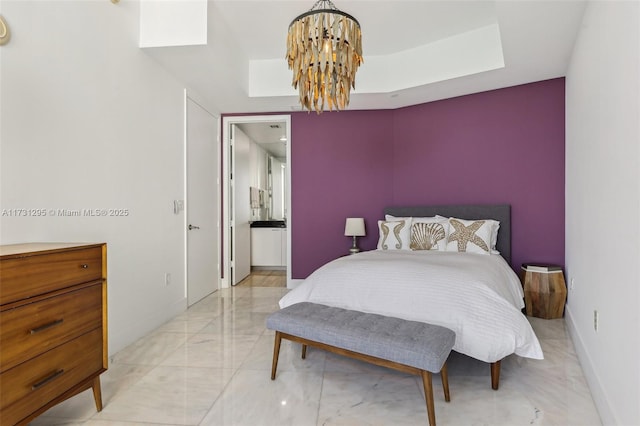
(324, 50)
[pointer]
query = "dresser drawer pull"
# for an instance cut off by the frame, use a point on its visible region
(46, 326)
(47, 379)
(84, 266)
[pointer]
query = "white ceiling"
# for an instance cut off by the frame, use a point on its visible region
(415, 51)
(399, 36)
(269, 136)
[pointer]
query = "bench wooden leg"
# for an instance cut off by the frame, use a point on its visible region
(444, 375)
(304, 351)
(495, 375)
(276, 353)
(428, 396)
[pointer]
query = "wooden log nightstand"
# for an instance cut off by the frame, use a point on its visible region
(545, 291)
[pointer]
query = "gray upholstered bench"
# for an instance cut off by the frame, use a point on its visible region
(407, 346)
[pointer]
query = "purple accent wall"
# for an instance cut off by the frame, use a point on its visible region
(340, 167)
(501, 146)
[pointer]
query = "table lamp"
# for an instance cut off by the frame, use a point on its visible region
(354, 227)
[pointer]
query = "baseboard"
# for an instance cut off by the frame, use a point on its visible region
(593, 380)
(268, 268)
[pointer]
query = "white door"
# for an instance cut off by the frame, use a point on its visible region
(203, 194)
(241, 213)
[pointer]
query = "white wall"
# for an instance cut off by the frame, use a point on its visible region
(89, 121)
(603, 205)
(173, 23)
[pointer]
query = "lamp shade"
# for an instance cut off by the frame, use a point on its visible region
(354, 227)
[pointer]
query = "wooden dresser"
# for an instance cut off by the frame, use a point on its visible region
(53, 326)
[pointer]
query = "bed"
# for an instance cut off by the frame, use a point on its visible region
(474, 293)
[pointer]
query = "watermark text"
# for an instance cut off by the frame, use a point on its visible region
(57, 212)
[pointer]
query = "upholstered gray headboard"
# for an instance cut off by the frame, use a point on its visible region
(499, 212)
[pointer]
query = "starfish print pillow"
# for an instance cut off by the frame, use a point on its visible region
(470, 236)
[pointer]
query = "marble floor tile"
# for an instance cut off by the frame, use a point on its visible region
(213, 351)
(214, 306)
(184, 324)
(290, 358)
(169, 394)
(372, 399)
(117, 379)
(96, 422)
(211, 366)
(254, 292)
(75, 411)
(549, 328)
(253, 399)
(237, 322)
(150, 350)
(473, 402)
(266, 304)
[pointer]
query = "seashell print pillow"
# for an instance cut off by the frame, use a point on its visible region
(429, 233)
(393, 235)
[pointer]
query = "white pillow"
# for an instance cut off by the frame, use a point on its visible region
(429, 233)
(495, 226)
(471, 236)
(393, 235)
(392, 218)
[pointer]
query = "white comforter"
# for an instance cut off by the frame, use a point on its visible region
(477, 296)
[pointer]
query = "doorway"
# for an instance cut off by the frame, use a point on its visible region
(241, 193)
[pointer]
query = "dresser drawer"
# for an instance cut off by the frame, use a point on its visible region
(29, 330)
(34, 383)
(23, 277)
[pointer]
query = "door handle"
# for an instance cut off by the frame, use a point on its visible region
(193, 227)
